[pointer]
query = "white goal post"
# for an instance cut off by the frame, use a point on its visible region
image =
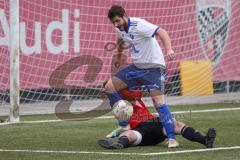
(14, 62)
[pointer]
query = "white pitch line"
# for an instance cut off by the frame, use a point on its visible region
(207, 110)
(111, 117)
(192, 111)
(124, 153)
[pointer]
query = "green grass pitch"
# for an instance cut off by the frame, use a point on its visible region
(40, 141)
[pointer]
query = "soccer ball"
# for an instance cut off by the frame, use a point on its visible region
(123, 110)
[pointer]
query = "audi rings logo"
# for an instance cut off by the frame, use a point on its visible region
(213, 20)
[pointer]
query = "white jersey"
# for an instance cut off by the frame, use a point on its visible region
(144, 48)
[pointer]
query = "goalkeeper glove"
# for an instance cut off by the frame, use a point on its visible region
(117, 132)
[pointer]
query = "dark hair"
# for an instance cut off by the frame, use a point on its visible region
(116, 10)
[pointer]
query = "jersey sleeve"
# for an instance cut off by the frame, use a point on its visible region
(147, 29)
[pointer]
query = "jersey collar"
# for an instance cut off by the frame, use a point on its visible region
(128, 25)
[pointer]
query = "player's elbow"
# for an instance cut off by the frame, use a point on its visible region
(163, 34)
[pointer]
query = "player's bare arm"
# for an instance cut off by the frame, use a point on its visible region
(120, 45)
(164, 37)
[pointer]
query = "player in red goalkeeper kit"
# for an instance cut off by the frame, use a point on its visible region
(146, 129)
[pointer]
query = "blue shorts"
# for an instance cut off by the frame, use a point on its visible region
(142, 79)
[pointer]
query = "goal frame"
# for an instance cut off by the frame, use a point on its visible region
(14, 63)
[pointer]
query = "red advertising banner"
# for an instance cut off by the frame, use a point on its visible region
(62, 38)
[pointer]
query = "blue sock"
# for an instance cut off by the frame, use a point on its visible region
(113, 98)
(167, 120)
(122, 123)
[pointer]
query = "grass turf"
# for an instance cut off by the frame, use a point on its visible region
(83, 136)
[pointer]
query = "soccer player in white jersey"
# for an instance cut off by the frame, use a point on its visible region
(148, 68)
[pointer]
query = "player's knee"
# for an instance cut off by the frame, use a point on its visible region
(131, 136)
(114, 84)
(126, 133)
(109, 87)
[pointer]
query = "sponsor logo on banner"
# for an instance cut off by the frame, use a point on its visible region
(68, 28)
(213, 20)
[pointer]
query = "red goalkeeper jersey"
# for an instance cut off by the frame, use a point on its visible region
(140, 111)
(140, 114)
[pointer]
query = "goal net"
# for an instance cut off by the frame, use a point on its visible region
(67, 48)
